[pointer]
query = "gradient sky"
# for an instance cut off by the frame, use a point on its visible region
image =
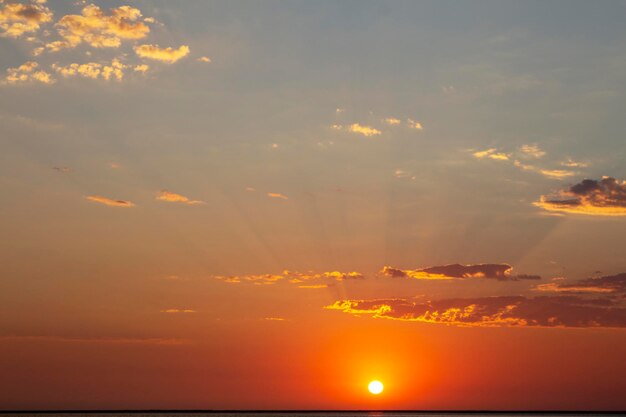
(237, 204)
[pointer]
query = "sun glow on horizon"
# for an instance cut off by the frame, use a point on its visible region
(375, 387)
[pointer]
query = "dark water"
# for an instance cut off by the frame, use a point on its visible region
(303, 414)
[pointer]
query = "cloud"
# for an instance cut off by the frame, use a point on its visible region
(363, 130)
(274, 318)
(28, 72)
(414, 124)
(398, 173)
(143, 68)
(532, 151)
(492, 153)
(17, 19)
(204, 59)
(99, 30)
(170, 197)
(63, 170)
(500, 272)
(109, 202)
(605, 197)
(302, 279)
(605, 284)
(392, 121)
(177, 311)
(569, 162)
(313, 286)
(554, 311)
(168, 55)
(93, 70)
(550, 173)
(526, 151)
(277, 195)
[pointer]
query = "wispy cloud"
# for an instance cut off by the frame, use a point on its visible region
(171, 197)
(550, 173)
(492, 153)
(605, 197)
(570, 163)
(177, 311)
(533, 151)
(110, 202)
(168, 55)
(399, 173)
(500, 272)
(205, 59)
(392, 121)
(302, 279)
(278, 195)
(414, 124)
(605, 284)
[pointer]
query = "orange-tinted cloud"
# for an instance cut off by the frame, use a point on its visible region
(170, 197)
(177, 311)
(558, 311)
(392, 121)
(313, 286)
(533, 151)
(205, 59)
(303, 279)
(605, 197)
(110, 202)
(550, 173)
(28, 72)
(17, 19)
(278, 195)
(605, 284)
(98, 29)
(501, 272)
(363, 130)
(143, 68)
(492, 153)
(413, 124)
(93, 70)
(168, 55)
(569, 162)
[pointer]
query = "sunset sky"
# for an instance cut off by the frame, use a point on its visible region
(267, 205)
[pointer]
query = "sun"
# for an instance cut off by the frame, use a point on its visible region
(375, 387)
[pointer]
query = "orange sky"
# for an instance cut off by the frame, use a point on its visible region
(236, 205)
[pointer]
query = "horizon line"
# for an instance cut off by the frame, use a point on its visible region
(311, 411)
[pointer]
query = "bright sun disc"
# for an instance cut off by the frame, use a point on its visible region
(375, 387)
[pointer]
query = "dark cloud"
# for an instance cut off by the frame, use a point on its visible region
(501, 272)
(607, 284)
(605, 197)
(553, 311)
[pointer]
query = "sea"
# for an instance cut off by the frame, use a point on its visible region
(305, 414)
